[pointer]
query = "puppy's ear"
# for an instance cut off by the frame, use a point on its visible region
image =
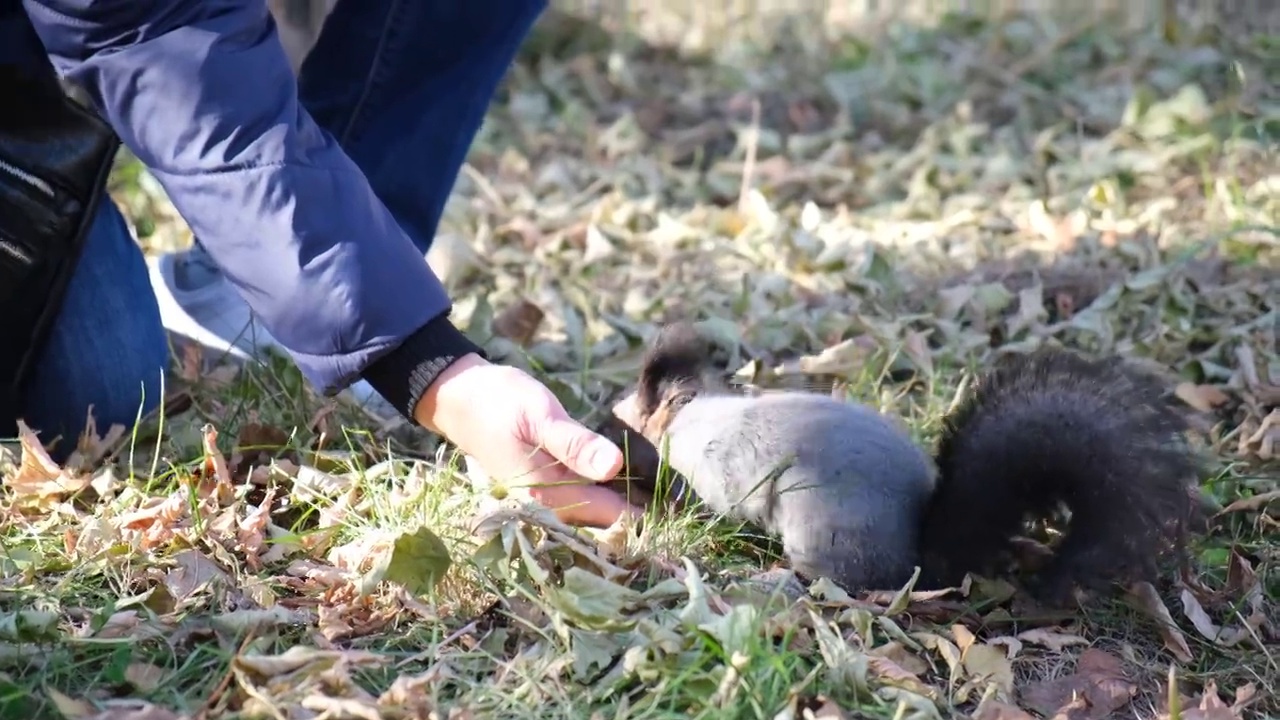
(677, 355)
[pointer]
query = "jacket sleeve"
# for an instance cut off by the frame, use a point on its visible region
(202, 93)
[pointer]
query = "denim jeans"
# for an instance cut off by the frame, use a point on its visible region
(399, 83)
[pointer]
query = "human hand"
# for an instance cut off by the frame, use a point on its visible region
(519, 432)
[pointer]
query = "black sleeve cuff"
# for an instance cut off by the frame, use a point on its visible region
(403, 375)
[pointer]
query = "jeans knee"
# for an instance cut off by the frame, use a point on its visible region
(108, 350)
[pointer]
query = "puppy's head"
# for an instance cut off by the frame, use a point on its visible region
(671, 375)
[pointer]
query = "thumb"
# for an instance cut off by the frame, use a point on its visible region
(585, 453)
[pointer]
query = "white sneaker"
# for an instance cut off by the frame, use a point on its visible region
(197, 302)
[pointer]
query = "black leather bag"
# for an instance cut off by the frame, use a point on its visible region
(55, 156)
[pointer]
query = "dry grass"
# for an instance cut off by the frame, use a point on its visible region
(920, 205)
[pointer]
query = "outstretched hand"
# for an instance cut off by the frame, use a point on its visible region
(520, 433)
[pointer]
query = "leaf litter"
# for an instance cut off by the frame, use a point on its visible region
(870, 230)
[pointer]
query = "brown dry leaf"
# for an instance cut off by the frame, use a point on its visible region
(1209, 706)
(124, 624)
(251, 534)
(963, 636)
(408, 695)
(349, 708)
(135, 710)
(1263, 442)
(916, 347)
(1211, 631)
(1060, 233)
(95, 535)
(253, 620)
(363, 553)
(1251, 503)
(612, 541)
(1144, 597)
(519, 322)
(194, 571)
(901, 656)
(144, 677)
(988, 664)
(1012, 645)
(357, 618)
(91, 448)
(1242, 581)
(893, 674)
(40, 483)
(71, 708)
(944, 647)
(300, 657)
(1203, 398)
(1097, 688)
(156, 520)
(321, 573)
(215, 465)
(841, 359)
(256, 437)
(1245, 695)
(1055, 641)
(996, 710)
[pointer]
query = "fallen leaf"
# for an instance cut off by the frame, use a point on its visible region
(25, 626)
(1012, 645)
(987, 663)
(40, 483)
(243, 622)
(1208, 629)
(157, 520)
(299, 657)
(902, 657)
(326, 575)
(135, 710)
(1201, 397)
(963, 636)
(841, 359)
(519, 322)
(409, 694)
(1097, 688)
(1055, 641)
(91, 448)
(70, 708)
(194, 571)
(916, 347)
(144, 677)
(215, 465)
(996, 710)
(124, 624)
(251, 534)
(333, 707)
(891, 673)
(1253, 502)
(1208, 706)
(1263, 442)
(1144, 597)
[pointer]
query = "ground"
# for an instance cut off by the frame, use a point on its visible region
(883, 218)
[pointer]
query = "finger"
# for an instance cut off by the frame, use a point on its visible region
(583, 505)
(585, 453)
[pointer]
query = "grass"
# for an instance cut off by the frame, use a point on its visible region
(881, 219)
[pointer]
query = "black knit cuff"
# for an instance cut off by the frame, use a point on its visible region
(403, 375)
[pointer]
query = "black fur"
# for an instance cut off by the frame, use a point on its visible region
(1053, 427)
(677, 355)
